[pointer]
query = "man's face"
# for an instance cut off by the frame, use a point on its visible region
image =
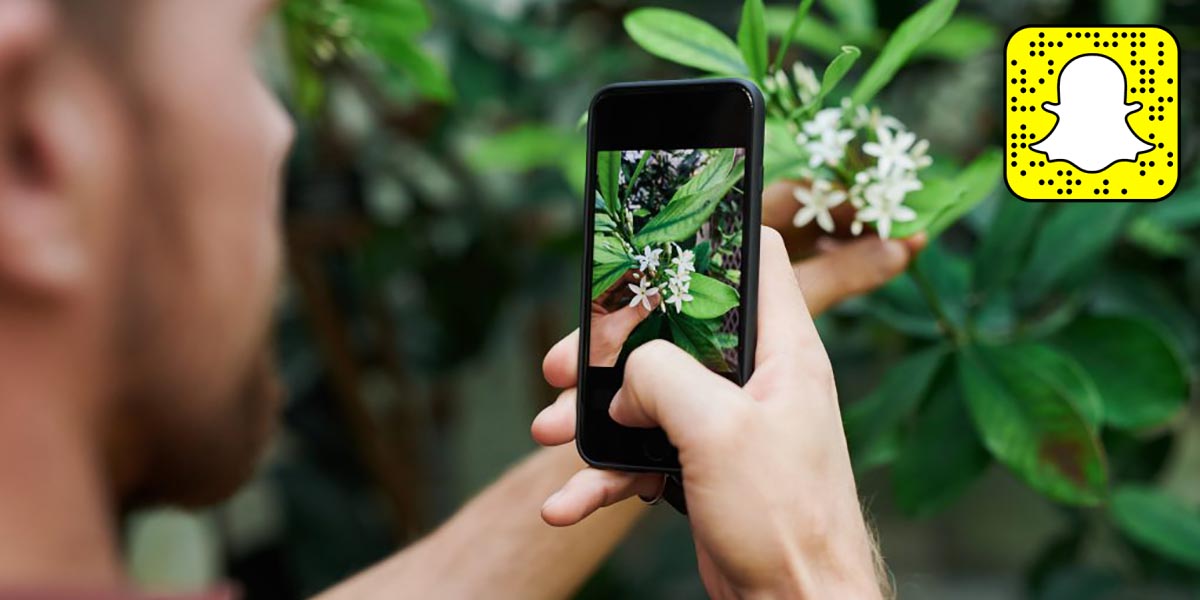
(202, 255)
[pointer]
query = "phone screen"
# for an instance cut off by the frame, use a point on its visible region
(673, 194)
(667, 254)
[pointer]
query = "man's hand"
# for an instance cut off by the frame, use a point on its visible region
(770, 491)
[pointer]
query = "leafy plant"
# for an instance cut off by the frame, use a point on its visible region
(848, 153)
(375, 38)
(1017, 366)
(667, 224)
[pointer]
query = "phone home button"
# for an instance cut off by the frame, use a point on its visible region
(653, 451)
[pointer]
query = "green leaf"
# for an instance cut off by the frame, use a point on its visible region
(836, 70)
(941, 202)
(1072, 239)
(1031, 424)
(1120, 12)
(815, 34)
(610, 261)
(1158, 522)
(404, 56)
(1005, 243)
(697, 338)
(608, 175)
(386, 17)
(1179, 212)
(637, 171)
(711, 298)
(782, 156)
(752, 39)
(690, 207)
(682, 38)
(855, 17)
(802, 9)
(1140, 377)
(940, 457)
(604, 275)
(703, 252)
(869, 420)
(522, 148)
(903, 42)
(960, 39)
(726, 341)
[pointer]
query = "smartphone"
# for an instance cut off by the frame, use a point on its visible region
(674, 186)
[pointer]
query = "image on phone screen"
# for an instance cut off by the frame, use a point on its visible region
(667, 254)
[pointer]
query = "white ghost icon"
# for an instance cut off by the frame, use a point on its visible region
(1092, 132)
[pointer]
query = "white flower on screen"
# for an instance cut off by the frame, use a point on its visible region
(648, 259)
(806, 82)
(856, 228)
(680, 279)
(685, 261)
(892, 150)
(679, 295)
(885, 204)
(642, 293)
(816, 202)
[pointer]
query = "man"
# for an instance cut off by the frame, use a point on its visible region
(139, 253)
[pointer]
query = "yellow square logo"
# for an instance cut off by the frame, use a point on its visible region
(1092, 113)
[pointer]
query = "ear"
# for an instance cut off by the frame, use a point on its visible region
(39, 251)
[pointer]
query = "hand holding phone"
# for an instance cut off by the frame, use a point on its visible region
(672, 212)
(770, 490)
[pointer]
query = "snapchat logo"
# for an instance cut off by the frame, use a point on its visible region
(1092, 113)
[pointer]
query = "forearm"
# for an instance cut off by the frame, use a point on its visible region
(497, 546)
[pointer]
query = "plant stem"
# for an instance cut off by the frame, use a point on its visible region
(955, 335)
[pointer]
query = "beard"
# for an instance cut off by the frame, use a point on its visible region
(192, 450)
(197, 399)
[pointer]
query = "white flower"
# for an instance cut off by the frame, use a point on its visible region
(825, 143)
(679, 295)
(642, 293)
(806, 82)
(892, 150)
(919, 158)
(686, 261)
(829, 149)
(680, 279)
(885, 203)
(648, 259)
(824, 121)
(817, 200)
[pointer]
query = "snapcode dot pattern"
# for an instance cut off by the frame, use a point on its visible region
(1147, 57)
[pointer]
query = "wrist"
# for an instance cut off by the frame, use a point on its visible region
(843, 565)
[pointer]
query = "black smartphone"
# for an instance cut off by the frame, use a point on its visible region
(674, 188)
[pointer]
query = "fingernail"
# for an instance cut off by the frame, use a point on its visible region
(551, 500)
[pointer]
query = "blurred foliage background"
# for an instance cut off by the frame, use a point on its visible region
(433, 224)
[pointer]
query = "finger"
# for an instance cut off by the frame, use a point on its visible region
(555, 425)
(785, 327)
(851, 269)
(609, 332)
(665, 387)
(592, 489)
(561, 365)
